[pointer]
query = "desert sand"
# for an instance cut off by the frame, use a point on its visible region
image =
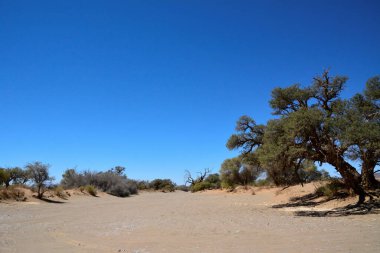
(213, 221)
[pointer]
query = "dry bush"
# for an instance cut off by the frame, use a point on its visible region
(165, 185)
(333, 189)
(12, 193)
(60, 192)
(111, 182)
(90, 189)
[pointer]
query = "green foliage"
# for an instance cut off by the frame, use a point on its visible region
(4, 177)
(214, 180)
(113, 182)
(249, 135)
(71, 179)
(14, 175)
(165, 185)
(201, 186)
(227, 185)
(229, 172)
(18, 175)
(334, 188)
(242, 170)
(314, 124)
(372, 91)
(119, 170)
(309, 173)
(143, 185)
(39, 174)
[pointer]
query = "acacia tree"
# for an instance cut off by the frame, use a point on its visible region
(360, 124)
(13, 175)
(39, 174)
(241, 170)
(313, 123)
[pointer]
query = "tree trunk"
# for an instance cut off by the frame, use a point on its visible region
(369, 181)
(349, 174)
(39, 192)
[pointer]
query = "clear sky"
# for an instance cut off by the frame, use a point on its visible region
(157, 86)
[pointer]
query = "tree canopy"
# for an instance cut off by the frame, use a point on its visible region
(315, 124)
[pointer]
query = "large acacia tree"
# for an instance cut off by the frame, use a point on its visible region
(313, 123)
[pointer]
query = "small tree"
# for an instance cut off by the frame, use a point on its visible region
(39, 174)
(18, 175)
(202, 176)
(5, 177)
(118, 170)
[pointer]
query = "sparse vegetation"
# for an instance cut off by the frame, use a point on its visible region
(60, 192)
(112, 181)
(39, 174)
(90, 189)
(200, 186)
(165, 185)
(143, 185)
(205, 181)
(333, 189)
(12, 193)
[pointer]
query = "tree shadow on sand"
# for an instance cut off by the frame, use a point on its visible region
(50, 200)
(310, 200)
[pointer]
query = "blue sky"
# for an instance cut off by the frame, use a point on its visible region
(157, 86)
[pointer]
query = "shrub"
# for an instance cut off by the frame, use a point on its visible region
(59, 192)
(229, 185)
(90, 189)
(12, 193)
(112, 181)
(334, 188)
(142, 185)
(120, 190)
(214, 180)
(201, 186)
(165, 185)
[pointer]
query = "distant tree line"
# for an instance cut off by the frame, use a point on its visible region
(113, 181)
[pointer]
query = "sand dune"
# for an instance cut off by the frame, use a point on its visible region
(181, 222)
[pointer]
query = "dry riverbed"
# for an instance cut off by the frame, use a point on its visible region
(179, 222)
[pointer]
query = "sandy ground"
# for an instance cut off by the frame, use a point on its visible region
(180, 222)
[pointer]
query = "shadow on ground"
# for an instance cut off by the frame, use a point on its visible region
(310, 200)
(51, 200)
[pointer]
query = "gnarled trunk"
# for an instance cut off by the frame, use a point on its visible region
(349, 174)
(369, 181)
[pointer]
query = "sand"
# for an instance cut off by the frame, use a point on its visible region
(213, 221)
